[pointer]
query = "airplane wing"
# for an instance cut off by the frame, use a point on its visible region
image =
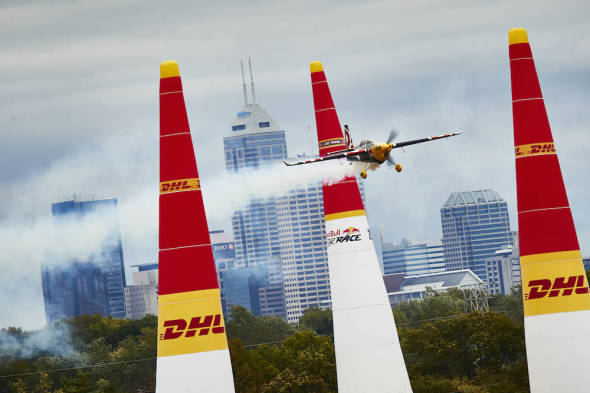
(328, 157)
(415, 141)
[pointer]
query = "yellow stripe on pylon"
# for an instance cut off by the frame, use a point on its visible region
(554, 282)
(350, 213)
(190, 322)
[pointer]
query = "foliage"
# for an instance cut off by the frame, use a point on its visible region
(511, 305)
(434, 305)
(317, 320)
(445, 349)
(255, 330)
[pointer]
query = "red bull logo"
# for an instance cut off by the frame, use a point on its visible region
(175, 328)
(559, 287)
(350, 234)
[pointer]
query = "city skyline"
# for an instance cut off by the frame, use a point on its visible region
(85, 103)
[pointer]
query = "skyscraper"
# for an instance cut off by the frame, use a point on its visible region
(141, 298)
(73, 289)
(475, 225)
(256, 141)
(503, 271)
(304, 257)
(109, 259)
(413, 257)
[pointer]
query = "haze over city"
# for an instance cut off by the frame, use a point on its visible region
(80, 113)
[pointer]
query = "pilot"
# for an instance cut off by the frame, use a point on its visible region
(347, 137)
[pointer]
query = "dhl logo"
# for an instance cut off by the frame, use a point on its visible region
(180, 185)
(559, 287)
(534, 149)
(177, 327)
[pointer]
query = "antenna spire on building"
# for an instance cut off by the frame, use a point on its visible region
(252, 81)
(244, 83)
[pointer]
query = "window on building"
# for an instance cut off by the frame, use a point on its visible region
(239, 127)
(264, 124)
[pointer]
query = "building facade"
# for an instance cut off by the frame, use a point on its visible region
(303, 250)
(413, 257)
(109, 259)
(414, 287)
(141, 298)
(256, 141)
(475, 225)
(503, 271)
(73, 289)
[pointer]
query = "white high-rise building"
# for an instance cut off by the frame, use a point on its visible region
(412, 257)
(141, 298)
(302, 239)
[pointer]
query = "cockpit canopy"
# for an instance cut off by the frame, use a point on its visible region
(365, 143)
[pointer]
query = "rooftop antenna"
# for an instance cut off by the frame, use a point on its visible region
(244, 82)
(252, 81)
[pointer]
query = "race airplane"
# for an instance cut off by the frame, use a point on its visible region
(373, 154)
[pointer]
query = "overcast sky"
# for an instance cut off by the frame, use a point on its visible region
(79, 105)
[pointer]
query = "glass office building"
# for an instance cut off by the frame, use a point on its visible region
(73, 289)
(475, 225)
(256, 141)
(109, 259)
(412, 257)
(304, 257)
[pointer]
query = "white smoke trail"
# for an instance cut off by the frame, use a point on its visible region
(53, 340)
(232, 191)
(123, 168)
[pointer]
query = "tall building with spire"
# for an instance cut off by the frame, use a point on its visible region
(256, 141)
(287, 230)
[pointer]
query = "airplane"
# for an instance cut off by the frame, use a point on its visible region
(373, 154)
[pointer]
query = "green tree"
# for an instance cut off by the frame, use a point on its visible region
(253, 330)
(292, 382)
(318, 320)
(464, 345)
(434, 305)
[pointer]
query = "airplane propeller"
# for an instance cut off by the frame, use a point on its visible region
(390, 160)
(392, 135)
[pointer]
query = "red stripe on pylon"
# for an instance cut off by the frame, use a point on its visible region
(539, 184)
(327, 123)
(344, 195)
(186, 269)
(544, 218)
(177, 158)
(173, 117)
(185, 259)
(182, 221)
(546, 231)
(530, 119)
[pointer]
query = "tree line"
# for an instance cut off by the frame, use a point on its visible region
(446, 350)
